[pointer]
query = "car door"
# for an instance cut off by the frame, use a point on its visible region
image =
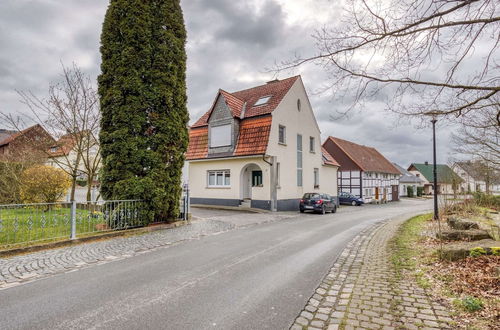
(330, 202)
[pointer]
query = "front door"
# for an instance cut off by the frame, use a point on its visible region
(376, 193)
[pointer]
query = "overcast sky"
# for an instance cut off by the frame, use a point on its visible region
(231, 44)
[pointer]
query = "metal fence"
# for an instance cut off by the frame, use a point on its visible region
(30, 223)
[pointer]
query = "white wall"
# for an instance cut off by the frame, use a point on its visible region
(198, 178)
(296, 122)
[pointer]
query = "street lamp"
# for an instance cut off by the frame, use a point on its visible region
(436, 211)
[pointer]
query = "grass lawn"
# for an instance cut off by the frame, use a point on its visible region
(34, 224)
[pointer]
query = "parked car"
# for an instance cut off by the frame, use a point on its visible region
(318, 202)
(349, 199)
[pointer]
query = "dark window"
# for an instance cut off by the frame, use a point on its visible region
(256, 178)
(282, 134)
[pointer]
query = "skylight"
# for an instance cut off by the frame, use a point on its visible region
(262, 100)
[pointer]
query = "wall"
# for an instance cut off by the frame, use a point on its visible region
(296, 122)
(328, 181)
(198, 178)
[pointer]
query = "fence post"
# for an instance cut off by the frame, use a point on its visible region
(187, 202)
(73, 220)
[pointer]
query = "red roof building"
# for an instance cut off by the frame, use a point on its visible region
(364, 172)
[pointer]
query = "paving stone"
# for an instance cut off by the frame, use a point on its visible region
(363, 291)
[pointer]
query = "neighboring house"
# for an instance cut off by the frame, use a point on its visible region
(364, 172)
(472, 180)
(447, 179)
(259, 147)
(408, 180)
(29, 143)
(64, 154)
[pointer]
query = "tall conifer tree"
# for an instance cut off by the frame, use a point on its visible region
(142, 90)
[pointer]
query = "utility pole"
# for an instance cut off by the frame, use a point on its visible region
(436, 211)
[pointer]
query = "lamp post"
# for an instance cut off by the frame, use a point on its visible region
(436, 211)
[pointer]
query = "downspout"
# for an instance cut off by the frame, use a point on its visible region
(273, 187)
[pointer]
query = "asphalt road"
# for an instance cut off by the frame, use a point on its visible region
(253, 277)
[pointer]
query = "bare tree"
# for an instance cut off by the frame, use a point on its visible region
(478, 138)
(428, 57)
(71, 115)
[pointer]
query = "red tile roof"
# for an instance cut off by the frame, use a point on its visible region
(15, 135)
(242, 103)
(328, 159)
(254, 136)
(252, 140)
(367, 158)
(198, 143)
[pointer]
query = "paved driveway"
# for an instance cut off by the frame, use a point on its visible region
(254, 274)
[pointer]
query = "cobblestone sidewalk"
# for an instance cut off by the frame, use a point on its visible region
(23, 268)
(361, 291)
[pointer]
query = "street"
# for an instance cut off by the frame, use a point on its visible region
(257, 275)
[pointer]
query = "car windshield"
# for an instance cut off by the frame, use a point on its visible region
(311, 196)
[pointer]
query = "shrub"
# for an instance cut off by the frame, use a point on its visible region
(420, 191)
(495, 251)
(43, 184)
(409, 191)
(81, 183)
(472, 304)
(485, 200)
(477, 252)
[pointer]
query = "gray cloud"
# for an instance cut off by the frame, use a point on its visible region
(230, 45)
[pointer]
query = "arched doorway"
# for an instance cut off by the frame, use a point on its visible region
(251, 176)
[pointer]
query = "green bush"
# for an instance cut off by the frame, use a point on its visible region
(485, 200)
(420, 191)
(495, 251)
(477, 252)
(81, 183)
(409, 191)
(472, 304)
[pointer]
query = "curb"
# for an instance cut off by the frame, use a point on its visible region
(231, 208)
(82, 240)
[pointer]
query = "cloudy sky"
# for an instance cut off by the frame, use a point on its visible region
(231, 45)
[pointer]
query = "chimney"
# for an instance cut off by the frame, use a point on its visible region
(426, 163)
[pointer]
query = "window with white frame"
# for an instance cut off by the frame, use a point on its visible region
(263, 100)
(278, 173)
(299, 160)
(312, 144)
(219, 178)
(316, 178)
(282, 134)
(220, 136)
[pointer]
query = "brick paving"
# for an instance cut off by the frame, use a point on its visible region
(362, 291)
(22, 268)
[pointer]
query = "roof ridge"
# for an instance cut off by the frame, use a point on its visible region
(348, 154)
(247, 89)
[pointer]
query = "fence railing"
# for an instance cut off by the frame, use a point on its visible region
(31, 223)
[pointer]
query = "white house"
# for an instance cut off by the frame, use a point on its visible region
(364, 172)
(406, 180)
(447, 180)
(259, 147)
(473, 175)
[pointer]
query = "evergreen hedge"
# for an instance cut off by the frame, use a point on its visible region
(142, 88)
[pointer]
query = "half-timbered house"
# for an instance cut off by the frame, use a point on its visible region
(364, 172)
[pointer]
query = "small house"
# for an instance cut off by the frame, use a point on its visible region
(448, 181)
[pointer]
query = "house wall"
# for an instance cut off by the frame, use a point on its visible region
(327, 179)
(202, 194)
(297, 122)
(364, 184)
(403, 192)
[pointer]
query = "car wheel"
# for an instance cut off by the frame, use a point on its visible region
(323, 210)
(353, 203)
(301, 210)
(334, 210)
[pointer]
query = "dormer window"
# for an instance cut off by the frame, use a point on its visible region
(220, 136)
(262, 101)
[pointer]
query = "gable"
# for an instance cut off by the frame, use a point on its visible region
(220, 111)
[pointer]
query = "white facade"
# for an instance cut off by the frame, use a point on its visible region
(278, 179)
(371, 186)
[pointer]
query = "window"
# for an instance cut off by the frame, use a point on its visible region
(299, 106)
(278, 174)
(282, 134)
(256, 178)
(220, 136)
(299, 160)
(53, 149)
(262, 101)
(312, 144)
(220, 178)
(316, 178)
